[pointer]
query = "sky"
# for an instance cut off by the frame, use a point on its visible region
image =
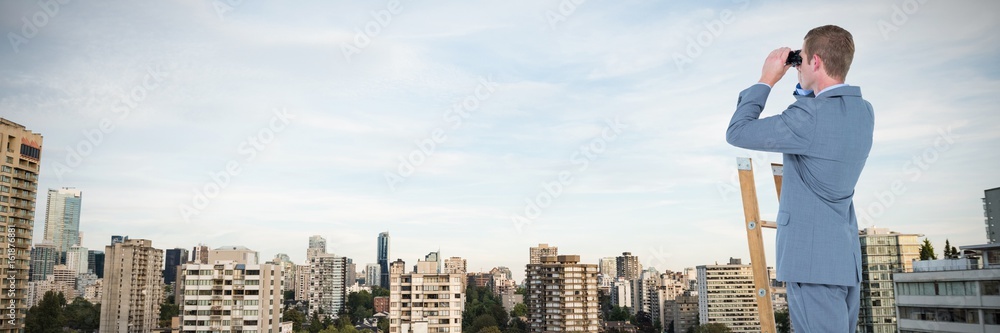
(480, 128)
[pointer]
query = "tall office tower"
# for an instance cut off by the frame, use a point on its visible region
(76, 259)
(883, 254)
(383, 259)
(19, 167)
(287, 268)
(62, 219)
(228, 296)
(951, 295)
(43, 259)
(301, 282)
(239, 254)
(133, 287)
(726, 295)
(317, 246)
(199, 254)
(419, 302)
(455, 265)
(172, 259)
(608, 266)
(562, 295)
(536, 252)
(628, 266)
(95, 263)
(327, 283)
(991, 210)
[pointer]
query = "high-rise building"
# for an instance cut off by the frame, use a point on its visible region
(317, 246)
(199, 254)
(383, 259)
(95, 263)
(62, 219)
(77, 259)
(455, 265)
(621, 293)
(301, 282)
(425, 302)
(327, 283)
(951, 295)
(43, 258)
(19, 167)
(228, 296)
(133, 287)
(171, 260)
(685, 311)
(991, 210)
(608, 266)
(284, 262)
(371, 274)
(883, 254)
(562, 295)
(628, 266)
(726, 295)
(535, 253)
(645, 288)
(238, 254)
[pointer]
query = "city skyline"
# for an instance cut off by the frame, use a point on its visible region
(646, 89)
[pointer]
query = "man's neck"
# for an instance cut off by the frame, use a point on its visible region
(826, 82)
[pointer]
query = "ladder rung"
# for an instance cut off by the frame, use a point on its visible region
(768, 224)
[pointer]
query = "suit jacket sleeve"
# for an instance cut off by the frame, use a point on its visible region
(790, 132)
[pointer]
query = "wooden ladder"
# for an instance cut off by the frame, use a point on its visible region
(751, 211)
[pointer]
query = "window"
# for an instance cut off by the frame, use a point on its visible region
(30, 151)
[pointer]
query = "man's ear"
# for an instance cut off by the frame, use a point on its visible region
(816, 62)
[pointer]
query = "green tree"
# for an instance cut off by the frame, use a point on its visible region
(520, 310)
(947, 249)
(47, 316)
(481, 322)
(315, 325)
(379, 291)
(297, 318)
(167, 311)
(782, 321)
(289, 294)
(491, 329)
(619, 313)
(82, 315)
(927, 250)
(383, 324)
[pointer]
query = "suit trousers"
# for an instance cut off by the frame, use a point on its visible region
(822, 308)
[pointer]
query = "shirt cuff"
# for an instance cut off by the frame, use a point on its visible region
(768, 85)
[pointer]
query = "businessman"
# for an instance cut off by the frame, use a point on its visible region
(824, 138)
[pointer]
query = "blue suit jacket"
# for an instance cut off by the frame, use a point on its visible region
(825, 142)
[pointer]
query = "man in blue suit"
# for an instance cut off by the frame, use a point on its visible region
(824, 137)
